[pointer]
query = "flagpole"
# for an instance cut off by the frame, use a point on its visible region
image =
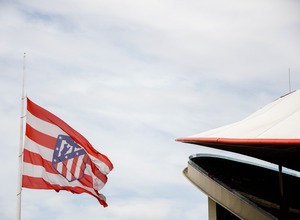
(19, 190)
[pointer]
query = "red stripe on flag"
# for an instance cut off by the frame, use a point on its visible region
(35, 183)
(36, 159)
(40, 183)
(98, 173)
(73, 168)
(87, 180)
(64, 168)
(40, 138)
(85, 158)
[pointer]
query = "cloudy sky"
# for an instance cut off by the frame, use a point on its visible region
(132, 76)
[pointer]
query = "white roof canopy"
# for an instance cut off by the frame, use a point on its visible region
(271, 133)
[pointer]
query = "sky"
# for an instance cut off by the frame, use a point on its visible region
(132, 76)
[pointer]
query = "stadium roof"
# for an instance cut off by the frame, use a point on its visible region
(271, 133)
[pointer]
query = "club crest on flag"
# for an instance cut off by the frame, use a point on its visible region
(69, 159)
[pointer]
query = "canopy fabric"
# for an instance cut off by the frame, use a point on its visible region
(271, 133)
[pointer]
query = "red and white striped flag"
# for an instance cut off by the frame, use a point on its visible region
(58, 157)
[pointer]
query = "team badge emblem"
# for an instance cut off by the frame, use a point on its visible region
(69, 159)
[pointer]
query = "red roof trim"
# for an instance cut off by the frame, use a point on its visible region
(239, 141)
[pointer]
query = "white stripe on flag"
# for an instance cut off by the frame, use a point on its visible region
(69, 167)
(43, 126)
(98, 184)
(59, 167)
(33, 147)
(100, 165)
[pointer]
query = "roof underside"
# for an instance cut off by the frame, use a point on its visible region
(271, 133)
(257, 184)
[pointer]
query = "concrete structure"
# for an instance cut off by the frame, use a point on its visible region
(239, 190)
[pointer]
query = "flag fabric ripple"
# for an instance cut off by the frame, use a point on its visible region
(58, 157)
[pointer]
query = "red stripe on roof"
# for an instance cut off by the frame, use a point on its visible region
(239, 141)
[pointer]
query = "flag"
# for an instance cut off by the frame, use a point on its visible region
(59, 158)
